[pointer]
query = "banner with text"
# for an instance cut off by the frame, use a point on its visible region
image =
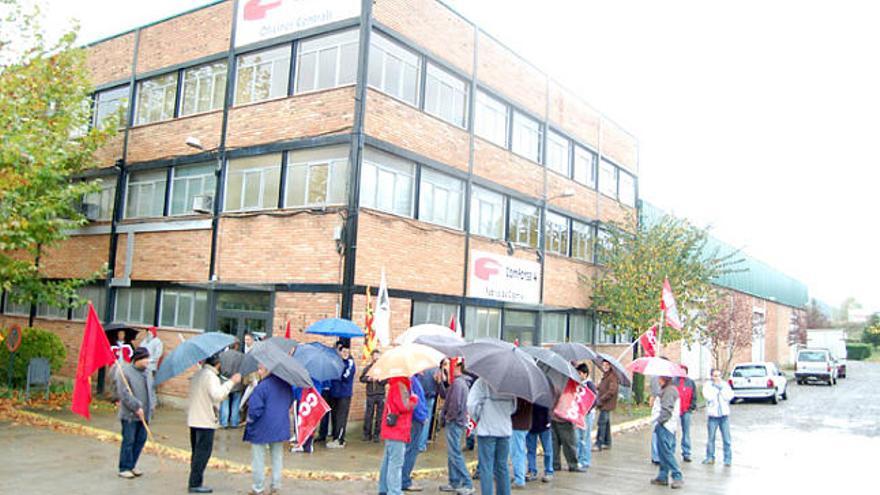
(312, 407)
(574, 403)
(493, 276)
(259, 20)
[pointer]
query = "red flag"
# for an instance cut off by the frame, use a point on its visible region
(648, 341)
(94, 353)
(287, 331)
(574, 403)
(453, 325)
(667, 304)
(312, 407)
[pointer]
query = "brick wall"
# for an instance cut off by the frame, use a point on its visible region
(508, 169)
(621, 146)
(197, 34)
(574, 116)
(168, 139)
(562, 284)
(110, 60)
(176, 255)
(107, 155)
(510, 75)
(76, 257)
(582, 203)
(612, 211)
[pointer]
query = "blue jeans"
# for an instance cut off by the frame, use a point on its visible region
(518, 456)
(230, 408)
(655, 449)
(666, 449)
(423, 436)
(722, 422)
(134, 436)
(392, 467)
(603, 431)
(585, 456)
(686, 435)
(532, 451)
(410, 454)
(258, 464)
(493, 453)
(459, 476)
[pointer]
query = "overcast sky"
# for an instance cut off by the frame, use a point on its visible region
(757, 118)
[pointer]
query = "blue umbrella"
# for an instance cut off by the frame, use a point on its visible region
(191, 352)
(336, 327)
(322, 362)
(278, 362)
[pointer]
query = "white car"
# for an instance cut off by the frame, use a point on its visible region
(816, 364)
(760, 380)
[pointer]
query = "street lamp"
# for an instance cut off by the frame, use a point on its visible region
(194, 142)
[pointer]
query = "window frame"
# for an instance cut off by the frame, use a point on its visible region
(126, 104)
(578, 228)
(396, 170)
(444, 81)
(431, 305)
(428, 191)
(472, 316)
(263, 171)
(223, 74)
(340, 162)
(592, 173)
(535, 129)
(338, 61)
(205, 178)
(563, 248)
(194, 302)
(557, 139)
(631, 197)
(486, 101)
(171, 85)
(564, 335)
(606, 166)
(145, 292)
(239, 66)
(510, 224)
(382, 85)
(155, 183)
(478, 199)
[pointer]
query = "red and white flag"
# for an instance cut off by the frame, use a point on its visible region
(648, 341)
(574, 403)
(312, 407)
(456, 328)
(667, 304)
(471, 426)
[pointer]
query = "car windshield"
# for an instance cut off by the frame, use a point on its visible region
(749, 371)
(812, 356)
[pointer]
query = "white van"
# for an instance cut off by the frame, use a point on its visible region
(815, 364)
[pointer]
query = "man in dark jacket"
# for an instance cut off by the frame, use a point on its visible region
(268, 426)
(455, 395)
(665, 413)
(521, 419)
(606, 402)
(341, 391)
(687, 393)
(375, 401)
(430, 388)
(137, 401)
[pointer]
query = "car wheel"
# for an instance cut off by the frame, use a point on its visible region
(785, 393)
(775, 399)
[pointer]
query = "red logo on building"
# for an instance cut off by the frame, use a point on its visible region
(485, 268)
(254, 10)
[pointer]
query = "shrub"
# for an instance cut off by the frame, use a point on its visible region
(871, 335)
(34, 343)
(858, 352)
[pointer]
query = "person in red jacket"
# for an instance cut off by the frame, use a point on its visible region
(396, 425)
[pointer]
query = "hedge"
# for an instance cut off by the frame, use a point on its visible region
(858, 352)
(34, 343)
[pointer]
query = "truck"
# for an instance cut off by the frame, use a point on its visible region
(833, 339)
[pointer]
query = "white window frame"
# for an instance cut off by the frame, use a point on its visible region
(386, 49)
(401, 170)
(626, 188)
(152, 94)
(558, 337)
(207, 180)
(97, 295)
(490, 206)
(434, 312)
(608, 179)
(194, 296)
(475, 328)
(442, 100)
(144, 318)
(141, 185)
(601, 244)
(433, 189)
(556, 233)
(490, 112)
(578, 229)
(336, 165)
(584, 167)
(516, 215)
(280, 54)
(558, 157)
(573, 325)
(201, 81)
(314, 46)
(526, 138)
(116, 97)
(104, 198)
(262, 173)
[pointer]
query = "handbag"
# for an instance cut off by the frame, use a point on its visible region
(391, 419)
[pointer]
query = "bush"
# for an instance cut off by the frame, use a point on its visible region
(858, 352)
(34, 343)
(871, 335)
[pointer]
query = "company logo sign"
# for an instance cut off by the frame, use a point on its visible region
(259, 20)
(504, 278)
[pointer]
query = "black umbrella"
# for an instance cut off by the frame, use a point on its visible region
(230, 361)
(574, 351)
(618, 368)
(508, 370)
(285, 344)
(447, 344)
(278, 363)
(113, 328)
(557, 368)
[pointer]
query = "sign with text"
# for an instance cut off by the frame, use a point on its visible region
(574, 403)
(259, 20)
(312, 407)
(504, 278)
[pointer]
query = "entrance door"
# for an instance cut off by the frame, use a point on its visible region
(239, 313)
(519, 326)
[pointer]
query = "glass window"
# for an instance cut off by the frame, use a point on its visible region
(184, 309)
(99, 204)
(627, 188)
(262, 75)
(56, 311)
(557, 234)
(581, 329)
(97, 295)
(317, 177)
(146, 194)
(603, 333)
(482, 323)
(387, 183)
(327, 61)
(526, 137)
(558, 153)
(553, 328)
(187, 183)
(15, 305)
(584, 171)
(520, 326)
(431, 312)
(523, 228)
(487, 213)
(440, 199)
(446, 96)
(135, 306)
(204, 88)
(394, 69)
(582, 241)
(111, 104)
(608, 179)
(602, 243)
(490, 121)
(252, 183)
(156, 99)
(244, 301)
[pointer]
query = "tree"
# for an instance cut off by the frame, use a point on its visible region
(871, 334)
(815, 317)
(730, 330)
(44, 146)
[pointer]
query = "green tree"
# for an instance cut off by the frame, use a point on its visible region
(815, 317)
(44, 145)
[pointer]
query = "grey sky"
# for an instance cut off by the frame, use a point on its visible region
(758, 118)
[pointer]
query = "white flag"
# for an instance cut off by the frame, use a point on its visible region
(382, 314)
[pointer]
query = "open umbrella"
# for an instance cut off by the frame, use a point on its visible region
(190, 352)
(322, 362)
(405, 360)
(618, 368)
(113, 328)
(574, 351)
(285, 344)
(337, 327)
(508, 370)
(449, 344)
(423, 330)
(557, 368)
(230, 361)
(655, 366)
(278, 363)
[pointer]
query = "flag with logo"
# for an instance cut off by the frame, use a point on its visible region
(667, 304)
(471, 426)
(382, 315)
(312, 407)
(574, 403)
(369, 332)
(648, 341)
(94, 353)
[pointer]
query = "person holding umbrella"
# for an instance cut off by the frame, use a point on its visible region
(268, 427)
(230, 408)
(341, 390)
(491, 411)
(137, 401)
(665, 413)
(606, 402)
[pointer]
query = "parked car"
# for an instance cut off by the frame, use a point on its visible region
(759, 380)
(832, 339)
(815, 364)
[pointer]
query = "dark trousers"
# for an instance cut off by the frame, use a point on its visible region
(340, 417)
(373, 416)
(134, 436)
(564, 443)
(325, 421)
(603, 433)
(202, 442)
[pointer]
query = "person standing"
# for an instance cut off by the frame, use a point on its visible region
(665, 413)
(154, 345)
(375, 401)
(341, 391)
(718, 395)
(454, 392)
(137, 402)
(540, 430)
(122, 349)
(492, 411)
(430, 388)
(248, 342)
(564, 443)
(687, 393)
(230, 408)
(396, 427)
(582, 436)
(419, 420)
(268, 427)
(606, 402)
(205, 395)
(521, 420)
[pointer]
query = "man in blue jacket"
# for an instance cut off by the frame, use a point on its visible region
(340, 397)
(419, 418)
(268, 426)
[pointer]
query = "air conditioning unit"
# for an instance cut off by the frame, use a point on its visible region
(203, 203)
(92, 211)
